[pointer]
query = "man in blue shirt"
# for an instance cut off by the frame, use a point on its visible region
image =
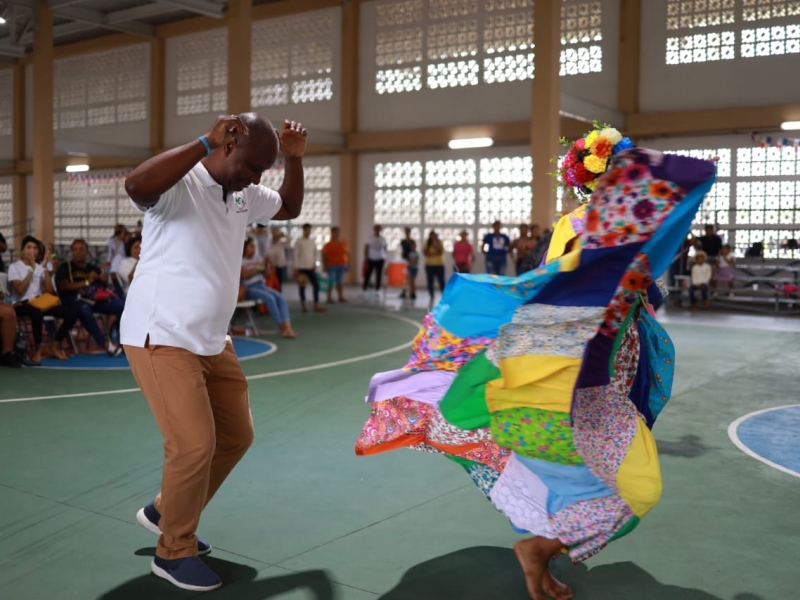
(495, 247)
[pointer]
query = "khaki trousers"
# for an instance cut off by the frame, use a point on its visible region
(202, 408)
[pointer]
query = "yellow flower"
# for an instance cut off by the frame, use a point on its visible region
(613, 136)
(591, 138)
(592, 184)
(595, 164)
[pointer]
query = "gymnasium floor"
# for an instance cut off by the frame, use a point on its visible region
(303, 518)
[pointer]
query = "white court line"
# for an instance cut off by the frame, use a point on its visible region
(337, 363)
(734, 435)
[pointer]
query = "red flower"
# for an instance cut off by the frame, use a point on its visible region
(609, 239)
(570, 159)
(582, 174)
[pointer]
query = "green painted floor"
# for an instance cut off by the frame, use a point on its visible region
(303, 518)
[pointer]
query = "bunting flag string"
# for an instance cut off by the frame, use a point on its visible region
(97, 178)
(770, 141)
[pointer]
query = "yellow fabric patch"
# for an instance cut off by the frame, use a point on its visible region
(538, 381)
(563, 233)
(570, 262)
(639, 475)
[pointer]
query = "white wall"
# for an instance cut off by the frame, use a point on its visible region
(759, 81)
(6, 147)
(482, 103)
(323, 115)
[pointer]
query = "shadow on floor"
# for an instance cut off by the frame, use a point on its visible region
(239, 583)
(488, 572)
(689, 446)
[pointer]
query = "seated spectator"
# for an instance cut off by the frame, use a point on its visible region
(253, 267)
(335, 257)
(701, 277)
(8, 334)
(127, 267)
(83, 286)
(33, 296)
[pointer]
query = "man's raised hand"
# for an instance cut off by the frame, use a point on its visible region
(293, 139)
(224, 129)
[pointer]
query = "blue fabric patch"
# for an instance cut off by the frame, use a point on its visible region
(660, 362)
(640, 391)
(595, 280)
(478, 305)
(567, 484)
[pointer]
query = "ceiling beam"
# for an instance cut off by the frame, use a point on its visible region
(62, 30)
(99, 19)
(199, 7)
(711, 121)
(60, 3)
(137, 12)
(9, 49)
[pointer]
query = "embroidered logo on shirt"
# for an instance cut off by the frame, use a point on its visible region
(241, 205)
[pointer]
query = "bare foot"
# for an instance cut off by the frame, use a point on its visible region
(534, 556)
(36, 356)
(58, 353)
(555, 588)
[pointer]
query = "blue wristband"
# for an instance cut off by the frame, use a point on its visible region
(206, 144)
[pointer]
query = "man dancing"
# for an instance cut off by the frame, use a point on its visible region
(198, 201)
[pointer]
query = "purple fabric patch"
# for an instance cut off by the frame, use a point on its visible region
(426, 386)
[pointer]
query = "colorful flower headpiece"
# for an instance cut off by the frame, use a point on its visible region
(588, 158)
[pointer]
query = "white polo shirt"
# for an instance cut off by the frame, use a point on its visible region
(187, 279)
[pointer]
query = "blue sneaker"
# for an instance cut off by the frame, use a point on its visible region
(189, 573)
(149, 517)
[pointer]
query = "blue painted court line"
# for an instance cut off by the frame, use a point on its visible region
(246, 348)
(771, 436)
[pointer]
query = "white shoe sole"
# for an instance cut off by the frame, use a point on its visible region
(148, 524)
(159, 572)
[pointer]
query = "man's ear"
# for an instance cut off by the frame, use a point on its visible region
(228, 148)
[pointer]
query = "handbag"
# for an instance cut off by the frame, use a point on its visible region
(94, 292)
(45, 302)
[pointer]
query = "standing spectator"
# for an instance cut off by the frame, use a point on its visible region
(434, 263)
(726, 271)
(253, 267)
(375, 255)
(413, 269)
(495, 247)
(31, 282)
(521, 247)
(305, 268)
(536, 233)
(711, 244)
(701, 277)
(116, 247)
(463, 253)
(405, 249)
(3, 250)
(335, 257)
(261, 236)
(127, 267)
(277, 255)
(85, 287)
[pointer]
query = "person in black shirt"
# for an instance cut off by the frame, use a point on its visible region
(405, 250)
(85, 287)
(3, 248)
(711, 244)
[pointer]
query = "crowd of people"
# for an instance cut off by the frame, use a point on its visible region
(40, 285)
(708, 261)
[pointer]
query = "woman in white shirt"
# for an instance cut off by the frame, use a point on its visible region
(276, 255)
(127, 267)
(253, 267)
(28, 281)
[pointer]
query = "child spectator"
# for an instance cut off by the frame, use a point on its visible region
(725, 268)
(701, 276)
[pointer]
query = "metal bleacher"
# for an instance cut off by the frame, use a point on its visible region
(761, 285)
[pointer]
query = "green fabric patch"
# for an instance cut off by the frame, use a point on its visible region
(626, 529)
(464, 404)
(536, 433)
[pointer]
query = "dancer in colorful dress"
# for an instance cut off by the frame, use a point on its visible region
(544, 387)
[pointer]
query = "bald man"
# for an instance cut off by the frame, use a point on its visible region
(198, 201)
